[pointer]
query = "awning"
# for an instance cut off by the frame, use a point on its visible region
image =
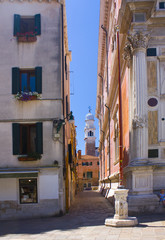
(18, 174)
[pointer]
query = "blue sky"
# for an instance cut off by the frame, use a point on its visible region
(83, 28)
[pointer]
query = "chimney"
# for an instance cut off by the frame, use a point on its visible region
(79, 154)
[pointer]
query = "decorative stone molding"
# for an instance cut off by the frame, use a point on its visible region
(127, 55)
(138, 40)
(139, 122)
(121, 205)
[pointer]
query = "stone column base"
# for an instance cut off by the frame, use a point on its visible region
(128, 222)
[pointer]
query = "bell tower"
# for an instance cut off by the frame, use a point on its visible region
(89, 134)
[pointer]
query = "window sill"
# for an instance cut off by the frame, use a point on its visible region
(28, 98)
(26, 38)
(27, 159)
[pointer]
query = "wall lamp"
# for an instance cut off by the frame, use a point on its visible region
(57, 124)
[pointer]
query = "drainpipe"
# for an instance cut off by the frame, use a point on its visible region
(103, 151)
(120, 117)
(109, 138)
(65, 174)
(106, 34)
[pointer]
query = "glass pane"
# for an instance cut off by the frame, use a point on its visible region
(24, 81)
(28, 190)
(27, 25)
(32, 139)
(24, 140)
(32, 83)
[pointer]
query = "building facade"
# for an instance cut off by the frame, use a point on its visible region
(130, 99)
(35, 104)
(88, 164)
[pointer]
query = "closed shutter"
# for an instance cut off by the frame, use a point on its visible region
(70, 152)
(39, 138)
(16, 24)
(16, 138)
(15, 80)
(38, 24)
(38, 74)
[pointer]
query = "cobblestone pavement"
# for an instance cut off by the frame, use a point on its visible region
(85, 221)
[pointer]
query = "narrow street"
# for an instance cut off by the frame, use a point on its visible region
(85, 220)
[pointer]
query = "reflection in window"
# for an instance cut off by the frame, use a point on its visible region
(28, 190)
(28, 81)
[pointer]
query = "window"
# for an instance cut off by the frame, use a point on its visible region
(153, 153)
(90, 133)
(28, 190)
(151, 52)
(89, 175)
(139, 17)
(98, 163)
(87, 163)
(27, 26)
(84, 175)
(83, 163)
(162, 5)
(85, 185)
(90, 164)
(26, 80)
(89, 185)
(27, 138)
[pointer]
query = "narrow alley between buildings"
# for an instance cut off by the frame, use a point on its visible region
(85, 220)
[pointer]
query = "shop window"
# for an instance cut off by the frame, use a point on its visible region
(26, 28)
(28, 190)
(29, 80)
(27, 138)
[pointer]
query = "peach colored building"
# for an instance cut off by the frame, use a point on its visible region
(130, 99)
(88, 164)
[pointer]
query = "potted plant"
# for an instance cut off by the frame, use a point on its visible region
(27, 96)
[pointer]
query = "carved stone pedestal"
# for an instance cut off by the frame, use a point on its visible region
(121, 218)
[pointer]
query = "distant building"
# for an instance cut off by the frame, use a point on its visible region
(88, 164)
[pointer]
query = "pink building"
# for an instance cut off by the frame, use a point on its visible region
(130, 100)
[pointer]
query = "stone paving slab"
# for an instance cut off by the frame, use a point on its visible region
(85, 221)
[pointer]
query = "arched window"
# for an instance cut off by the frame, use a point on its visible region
(90, 133)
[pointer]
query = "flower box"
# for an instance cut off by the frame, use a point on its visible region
(26, 38)
(26, 159)
(27, 96)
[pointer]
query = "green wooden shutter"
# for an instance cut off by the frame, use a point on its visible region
(38, 24)
(15, 80)
(16, 24)
(39, 138)
(16, 138)
(38, 74)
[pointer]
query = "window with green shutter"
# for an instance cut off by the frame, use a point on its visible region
(89, 175)
(26, 28)
(29, 80)
(27, 138)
